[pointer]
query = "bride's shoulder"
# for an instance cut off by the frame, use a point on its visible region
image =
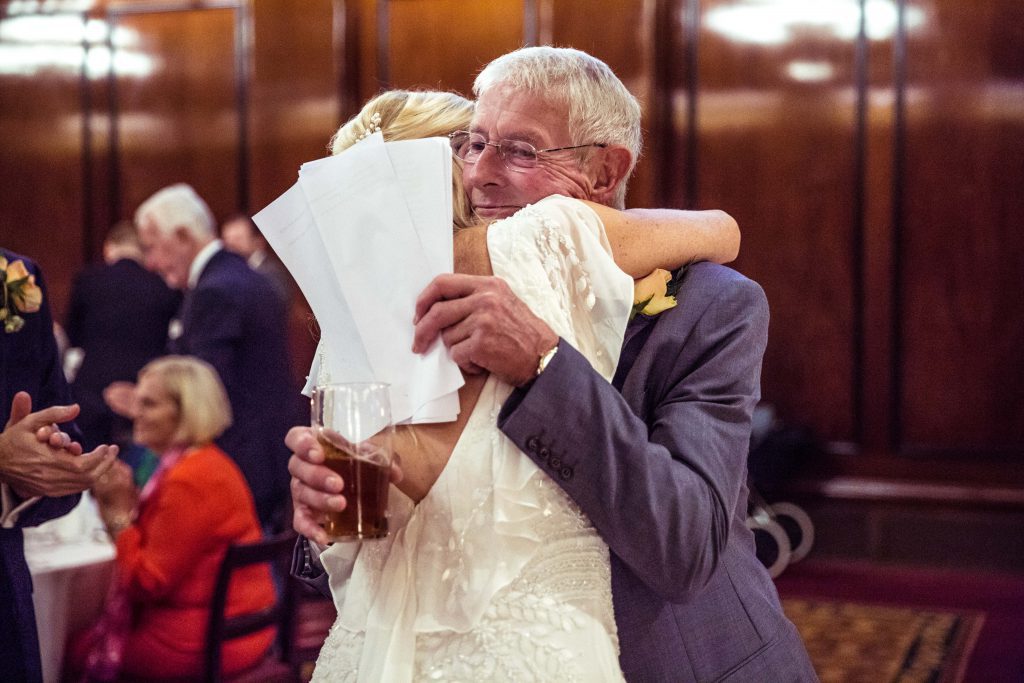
(557, 204)
(554, 213)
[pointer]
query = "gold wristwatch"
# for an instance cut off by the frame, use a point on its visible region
(545, 359)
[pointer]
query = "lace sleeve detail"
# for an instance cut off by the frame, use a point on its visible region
(556, 257)
(561, 262)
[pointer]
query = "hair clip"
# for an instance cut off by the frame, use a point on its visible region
(373, 128)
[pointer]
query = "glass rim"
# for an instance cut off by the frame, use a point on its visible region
(342, 385)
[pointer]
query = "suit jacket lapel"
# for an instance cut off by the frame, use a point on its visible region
(179, 344)
(636, 334)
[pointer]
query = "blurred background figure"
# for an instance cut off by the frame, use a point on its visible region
(118, 316)
(232, 319)
(241, 236)
(41, 470)
(172, 536)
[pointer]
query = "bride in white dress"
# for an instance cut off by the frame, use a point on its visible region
(491, 572)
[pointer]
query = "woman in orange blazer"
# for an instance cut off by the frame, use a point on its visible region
(171, 538)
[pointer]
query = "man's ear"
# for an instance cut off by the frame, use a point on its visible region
(610, 166)
(185, 241)
(183, 235)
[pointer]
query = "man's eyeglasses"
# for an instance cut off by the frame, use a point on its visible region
(517, 155)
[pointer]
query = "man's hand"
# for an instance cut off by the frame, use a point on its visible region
(316, 489)
(119, 396)
(53, 435)
(116, 495)
(37, 459)
(484, 325)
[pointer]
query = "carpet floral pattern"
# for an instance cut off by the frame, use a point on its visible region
(853, 642)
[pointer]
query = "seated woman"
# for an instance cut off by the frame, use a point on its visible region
(491, 572)
(172, 537)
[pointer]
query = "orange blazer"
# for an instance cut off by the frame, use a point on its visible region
(169, 559)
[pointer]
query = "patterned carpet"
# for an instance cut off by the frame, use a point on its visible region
(852, 642)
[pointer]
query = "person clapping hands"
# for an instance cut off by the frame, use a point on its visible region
(38, 459)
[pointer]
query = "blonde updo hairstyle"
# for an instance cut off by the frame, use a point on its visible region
(411, 115)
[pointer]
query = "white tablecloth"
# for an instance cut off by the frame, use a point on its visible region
(71, 561)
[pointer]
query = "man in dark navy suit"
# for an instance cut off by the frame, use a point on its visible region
(232, 319)
(42, 470)
(118, 316)
(240, 235)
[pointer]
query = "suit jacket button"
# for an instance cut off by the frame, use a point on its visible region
(566, 473)
(544, 453)
(532, 443)
(556, 463)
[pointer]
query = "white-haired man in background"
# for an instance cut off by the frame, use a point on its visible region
(231, 318)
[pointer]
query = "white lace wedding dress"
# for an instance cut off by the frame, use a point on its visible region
(495, 575)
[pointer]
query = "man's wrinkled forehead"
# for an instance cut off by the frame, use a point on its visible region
(519, 114)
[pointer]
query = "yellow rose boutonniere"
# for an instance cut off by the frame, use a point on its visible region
(650, 294)
(20, 294)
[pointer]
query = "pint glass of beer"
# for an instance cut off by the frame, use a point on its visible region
(352, 422)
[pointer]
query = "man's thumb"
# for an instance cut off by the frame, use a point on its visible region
(21, 406)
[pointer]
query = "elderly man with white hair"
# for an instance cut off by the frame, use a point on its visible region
(657, 459)
(231, 318)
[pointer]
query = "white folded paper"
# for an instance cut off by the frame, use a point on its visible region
(363, 233)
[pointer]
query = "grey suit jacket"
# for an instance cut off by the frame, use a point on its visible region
(660, 469)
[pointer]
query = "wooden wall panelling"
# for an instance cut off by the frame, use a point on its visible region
(294, 92)
(41, 125)
(97, 213)
(776, 147)
(179, 120)
(298, 82)
(961, 250)
(349, 68)
(361, 18)
(877, 110)
(442, 44)
(674, 100)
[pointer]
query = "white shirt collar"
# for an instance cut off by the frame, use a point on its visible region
(200, 261)
(257, 258)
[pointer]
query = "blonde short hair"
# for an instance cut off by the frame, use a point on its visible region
(411, 115)
(203, 407)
